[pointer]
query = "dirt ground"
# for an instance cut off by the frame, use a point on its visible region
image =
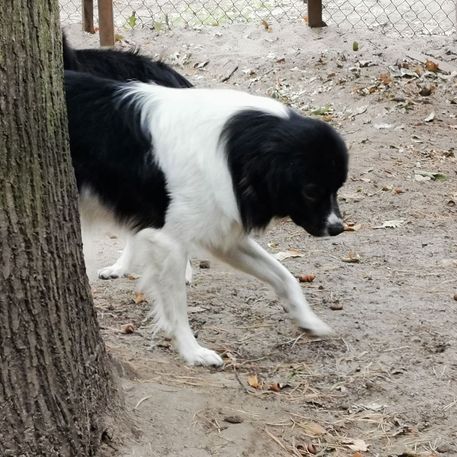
(385, 384)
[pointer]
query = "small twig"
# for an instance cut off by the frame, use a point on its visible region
(237, 376)
(275, 439)
(396, 349)
(226, 78)
(246, 362)
(296, 340)
(260, 77)
(141, 401)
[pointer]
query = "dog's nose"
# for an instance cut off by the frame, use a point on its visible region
(335, 229)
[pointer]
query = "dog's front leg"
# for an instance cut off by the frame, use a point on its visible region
(250, 258)
(163, 280)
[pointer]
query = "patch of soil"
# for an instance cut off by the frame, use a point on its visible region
(385, 383)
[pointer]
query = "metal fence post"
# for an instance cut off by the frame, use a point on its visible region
(315, 13)
(88, 16)
(106, 22)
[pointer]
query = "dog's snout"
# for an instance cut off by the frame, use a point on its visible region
(334, 224)
(335, 228)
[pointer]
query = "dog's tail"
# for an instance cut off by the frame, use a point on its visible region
(70, 60)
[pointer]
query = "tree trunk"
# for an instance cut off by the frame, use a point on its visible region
(56, 386)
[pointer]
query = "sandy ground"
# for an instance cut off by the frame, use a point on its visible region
(385, 384)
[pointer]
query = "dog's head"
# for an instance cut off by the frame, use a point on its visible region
(316, 169)
(286, 166)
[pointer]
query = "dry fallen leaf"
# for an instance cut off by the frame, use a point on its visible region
(351, 227)
(312, 449)
(290, 253)
(391, 224)
(313, 429)
(204, 264)
(200, 65)
(196, 309)
(254, 381)
(277, 386)
(139, 298)
(233, 419)
(385, 78)
(422, 175)
(306, 449)
(127, 328)
(336, 306)
(352, 257)
(430, 117)
(431, 66)
(306, 278)
(425, 90)
(266, 25)
(355, 445)
(383, 126)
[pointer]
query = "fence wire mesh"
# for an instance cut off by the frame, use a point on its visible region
(403, 17)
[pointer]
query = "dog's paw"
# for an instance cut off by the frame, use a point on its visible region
(112, 272)
(203, 356)
(315, 326)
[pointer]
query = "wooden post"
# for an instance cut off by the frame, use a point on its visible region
(315, 13)
(106, 22)
(88, 16)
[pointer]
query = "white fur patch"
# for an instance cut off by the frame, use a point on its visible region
(334, 219)
(203, 207)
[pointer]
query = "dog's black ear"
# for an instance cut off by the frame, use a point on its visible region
(70, 60)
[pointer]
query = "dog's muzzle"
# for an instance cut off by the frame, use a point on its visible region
(334, 224)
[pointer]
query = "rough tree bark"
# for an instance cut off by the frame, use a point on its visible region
(55, 380)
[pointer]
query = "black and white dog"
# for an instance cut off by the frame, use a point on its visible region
(202, 167)
(123, 66)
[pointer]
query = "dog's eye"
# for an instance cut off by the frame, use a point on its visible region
(311, 193)
(309, 197)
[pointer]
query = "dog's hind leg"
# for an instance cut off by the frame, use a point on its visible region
(121, 266)
(250, 258)
(163, 280)
(188, 272)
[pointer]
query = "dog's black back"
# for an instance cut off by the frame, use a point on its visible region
(112, 156)
(121, 66)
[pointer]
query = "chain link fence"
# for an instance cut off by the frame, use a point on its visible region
(403, 17)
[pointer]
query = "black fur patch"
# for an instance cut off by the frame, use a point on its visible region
(284, 167)
(121, 66)
(111, 155)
